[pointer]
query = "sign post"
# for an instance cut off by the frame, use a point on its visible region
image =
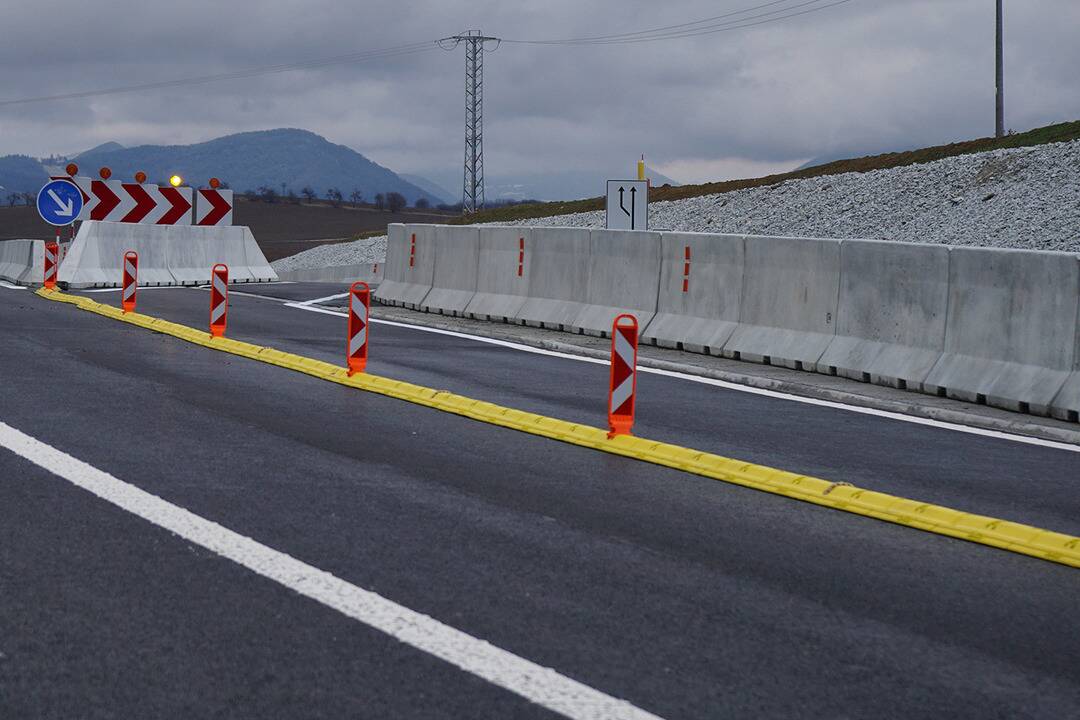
(627, 205)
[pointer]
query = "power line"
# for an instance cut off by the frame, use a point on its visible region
(361, 56)
(705, 26)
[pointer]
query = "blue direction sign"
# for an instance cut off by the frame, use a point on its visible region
(59, 202)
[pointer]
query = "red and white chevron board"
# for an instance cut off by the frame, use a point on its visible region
(213, 207)
(116, 201)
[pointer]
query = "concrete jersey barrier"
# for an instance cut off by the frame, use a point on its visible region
(698, 304)
(22, 261)
(453, 280)
(789, 299)
(558, 277)
(890, 325)
(502, 274)
(371, 273)
(978, 324)
(410, 265)
(624, 275)
(168, 254)
(1010, 337)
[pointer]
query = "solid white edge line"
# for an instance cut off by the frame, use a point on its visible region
(541, 685)
(927, 422)
(9, 286)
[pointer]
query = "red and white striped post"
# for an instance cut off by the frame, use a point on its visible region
(357, 347)
(131, 281)
(623, 387)
(219, 299)
(52, 259)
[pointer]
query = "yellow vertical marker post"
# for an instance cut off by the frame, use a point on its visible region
(641, 168)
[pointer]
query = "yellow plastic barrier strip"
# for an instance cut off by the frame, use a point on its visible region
(1014, 537)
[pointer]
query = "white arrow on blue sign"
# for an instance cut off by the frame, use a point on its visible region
(59, 202)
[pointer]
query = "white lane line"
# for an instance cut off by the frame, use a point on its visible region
(915, 420)
(9, 286)
(141, 288)
(541, 685)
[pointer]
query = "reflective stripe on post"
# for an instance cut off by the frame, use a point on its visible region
(219, 299)
(623, 388)
(52, 259)
(131, 281)
(356, 348)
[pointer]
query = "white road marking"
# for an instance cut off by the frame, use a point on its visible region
(541, 685)
(9, 286)
(141, 288)
(915, 420)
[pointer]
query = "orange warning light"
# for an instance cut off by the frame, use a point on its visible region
(215, 183)
(140, 177)
(105, 173)
(72, 169)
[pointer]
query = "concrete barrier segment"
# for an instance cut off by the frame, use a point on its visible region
(410, 265)
(699, 293)
(624, 278)
(557, 275)
(890, 325)
(789, 301)
(453, 281)
(503, 272)
(1010, 335)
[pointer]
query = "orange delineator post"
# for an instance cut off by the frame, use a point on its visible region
(623, 386)
(52, 259)
(219, 299)
(131, 281)
(356, 349)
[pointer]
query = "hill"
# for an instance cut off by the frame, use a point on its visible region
(20, 174)
(1061, 132)
(247, 161)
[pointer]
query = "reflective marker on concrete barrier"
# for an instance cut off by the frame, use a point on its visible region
(412, 251)
(686, 270)
(359, 305)
(623, 387)
(131, 281)
(52, 259)
(219, 299)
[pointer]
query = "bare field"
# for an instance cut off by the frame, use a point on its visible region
(281, 229)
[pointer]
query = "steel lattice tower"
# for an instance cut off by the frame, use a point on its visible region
(472, 196)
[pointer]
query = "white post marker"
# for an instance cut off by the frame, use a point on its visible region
(627, 205)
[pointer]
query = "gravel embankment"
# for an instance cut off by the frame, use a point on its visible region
(1021, 198)
(356, 252)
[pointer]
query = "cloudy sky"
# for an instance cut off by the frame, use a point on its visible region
(866, 75)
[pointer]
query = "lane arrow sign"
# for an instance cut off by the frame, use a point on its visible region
(63, 209)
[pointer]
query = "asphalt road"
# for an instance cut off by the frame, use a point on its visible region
(685, 596)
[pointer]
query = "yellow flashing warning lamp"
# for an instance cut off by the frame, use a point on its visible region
(176, 181)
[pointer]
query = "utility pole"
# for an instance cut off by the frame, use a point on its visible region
(1000, 124)
(476, 44)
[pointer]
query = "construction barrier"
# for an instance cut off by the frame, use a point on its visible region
(558, 275)
(52, 260)
(22, 261)
(502, 275)
(890, 326)
(787, 314)
(371, 273)
(410, 265)
(1010, 337)
(168, 254)
(219, 300)
(984, 325)
(622, 388)
(356, 349)
(453, 282)
(624, 276)
(700, 292)
(131, 281)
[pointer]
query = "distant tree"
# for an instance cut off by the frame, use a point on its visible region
(29, 199)
(421, 204)
(293, 199)
(334, 196)
(308, 193)
(225, 186)
(268, 194)
(356, 196)
(283, 193)
(251, 195)
(396, 201)
(380, 201)
(12, 198)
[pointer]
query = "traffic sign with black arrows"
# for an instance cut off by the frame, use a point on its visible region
(627, 205)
